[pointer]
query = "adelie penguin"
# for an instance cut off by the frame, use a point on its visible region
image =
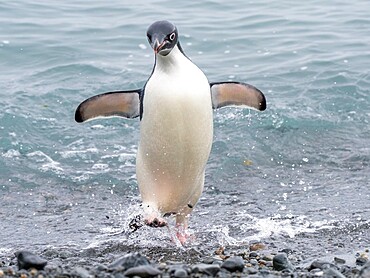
(175, 108)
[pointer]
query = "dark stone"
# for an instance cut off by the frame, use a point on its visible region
(210, 269)
(339, 260)
(144, 271)
(287, 251)
(253, 254)
(177, 268)
(27, 260)
(320, 264)
(233, 264)
(180, 273)
(360, 261)
(281, 262)
(128, 261)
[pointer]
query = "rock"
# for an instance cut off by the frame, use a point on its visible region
(287, 251)
(81, 272)
(251, 270)
(119, 275)
(253, 262)
(365, 271)
(331, 272)
(210, 269)
(253, 254)
(281, 262)
(267, 258)
(27, 260)
(257, 246)
(320, 264)
(144, 271)
(180, 273)
(128, 261)
(360, 261)
(345, 270)
(339, 260)
(233, 264)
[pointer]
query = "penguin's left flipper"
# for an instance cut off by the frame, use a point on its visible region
(119, 103)
(237, 94)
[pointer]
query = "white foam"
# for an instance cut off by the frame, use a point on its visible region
(75, 153)
(50, 164)
(290, 226)
(100, 166)
(11, 154)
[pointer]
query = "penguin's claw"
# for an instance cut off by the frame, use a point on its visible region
(155, 222)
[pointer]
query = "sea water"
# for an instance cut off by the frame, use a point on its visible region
(296, 175)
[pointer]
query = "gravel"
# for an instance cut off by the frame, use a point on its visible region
(236, 262)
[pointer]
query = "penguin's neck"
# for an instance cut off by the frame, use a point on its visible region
(174, 60)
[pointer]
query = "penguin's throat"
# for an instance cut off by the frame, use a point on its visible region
(171, 61)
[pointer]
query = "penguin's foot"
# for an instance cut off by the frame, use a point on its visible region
(182, 234)
(155, 222)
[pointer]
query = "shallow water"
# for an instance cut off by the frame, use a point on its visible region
(296, 175)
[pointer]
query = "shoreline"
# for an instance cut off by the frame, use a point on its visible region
(256, 261)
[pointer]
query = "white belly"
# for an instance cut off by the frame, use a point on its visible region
(176, 135)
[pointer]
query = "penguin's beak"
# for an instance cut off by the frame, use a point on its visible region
(158, 43)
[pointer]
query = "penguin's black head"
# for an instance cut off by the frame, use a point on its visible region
(162, 36)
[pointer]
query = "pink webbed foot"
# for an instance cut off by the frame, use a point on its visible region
(182, 234)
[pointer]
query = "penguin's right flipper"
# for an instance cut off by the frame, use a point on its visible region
(119, 103)
(237, 94)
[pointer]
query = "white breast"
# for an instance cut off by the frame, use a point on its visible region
(175, 135)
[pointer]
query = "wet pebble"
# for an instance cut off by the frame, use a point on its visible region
(233, 264)
(27, 260)
(361, 261)
(210, 269)
(128, 261)
(252, 270)
(257, 246)
(320, 264)
(281, 262)
(253, 254)
(144, 271)
(339, 260)
(331, 272)
(81, 272)
(180, 273)
(365, 271)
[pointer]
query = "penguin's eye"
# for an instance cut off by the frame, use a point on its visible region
(172, 36)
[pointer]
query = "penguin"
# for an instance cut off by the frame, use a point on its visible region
(175, 108)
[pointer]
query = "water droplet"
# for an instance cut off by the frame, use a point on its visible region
(142, 46)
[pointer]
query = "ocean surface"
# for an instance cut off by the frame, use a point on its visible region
(294, 176)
